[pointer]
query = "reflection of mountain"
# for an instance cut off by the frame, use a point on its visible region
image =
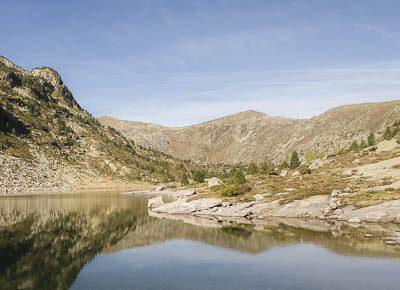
(45, 242)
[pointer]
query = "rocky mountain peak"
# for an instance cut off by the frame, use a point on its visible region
(49, 74)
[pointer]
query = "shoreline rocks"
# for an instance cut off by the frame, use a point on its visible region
(318, 207)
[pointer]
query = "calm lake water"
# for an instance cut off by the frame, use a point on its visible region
(108, 241)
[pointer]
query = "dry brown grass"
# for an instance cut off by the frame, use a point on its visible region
(369, 198)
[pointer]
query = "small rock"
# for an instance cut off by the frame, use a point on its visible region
(391, 243)
(296, 173)
(335, 192)
(354, 220)
(259, 197)
(283, 173)
(289, 189)
(327, 210)
(338, 211)
(369, 236)
(161, 187)
(333, 205)
(214, 181)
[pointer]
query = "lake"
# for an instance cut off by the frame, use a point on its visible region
(108, 241)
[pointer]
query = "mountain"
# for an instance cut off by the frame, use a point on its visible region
(48, 142)
(252, 136)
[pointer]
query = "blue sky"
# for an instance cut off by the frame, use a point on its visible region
(183, 62)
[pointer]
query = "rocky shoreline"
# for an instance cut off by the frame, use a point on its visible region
(189, 206)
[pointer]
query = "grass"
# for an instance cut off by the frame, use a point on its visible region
(369, 198)
(231, 190)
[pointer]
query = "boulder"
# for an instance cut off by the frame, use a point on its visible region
(311, 207)
(155, 202)
(182, 193)
(214, 181)
(386, 145)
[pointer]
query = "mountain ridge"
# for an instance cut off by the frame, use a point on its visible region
(261, 135)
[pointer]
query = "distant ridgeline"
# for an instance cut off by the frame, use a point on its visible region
(252, 136)
(41, 123)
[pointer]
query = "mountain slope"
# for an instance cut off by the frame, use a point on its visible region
(47, 141)
(253, 136)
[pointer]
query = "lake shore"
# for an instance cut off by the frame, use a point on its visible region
(190, 207)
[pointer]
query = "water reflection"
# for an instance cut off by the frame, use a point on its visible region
(46, 241)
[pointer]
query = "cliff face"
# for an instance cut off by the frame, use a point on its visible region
(253, 136)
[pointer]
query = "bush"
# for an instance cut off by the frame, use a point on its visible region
(304, 169)
(184, 179)
(354, 147)
(252, 168)
(199, 176)
(267, 167)
(388, 134)
(240, 178)
(234, 190)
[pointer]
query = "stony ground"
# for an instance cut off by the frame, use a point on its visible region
(355, 188)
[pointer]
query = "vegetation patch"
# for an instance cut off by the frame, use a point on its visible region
(369, 198)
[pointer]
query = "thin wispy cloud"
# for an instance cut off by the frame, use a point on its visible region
(179, 63)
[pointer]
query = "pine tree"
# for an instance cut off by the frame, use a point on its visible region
(371, 139)
(294, 160)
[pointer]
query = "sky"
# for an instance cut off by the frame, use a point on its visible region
(178, 63)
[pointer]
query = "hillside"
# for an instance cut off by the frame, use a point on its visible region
(253, 136)
(48, 142)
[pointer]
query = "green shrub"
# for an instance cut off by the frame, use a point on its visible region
(294, 160)
(267, 167)
(252, 168)
(388, 134)
(184, 179)
(304, 169)
(239, 178)
(354, 147)
(199, 176)
(371, 139)
(234, 190)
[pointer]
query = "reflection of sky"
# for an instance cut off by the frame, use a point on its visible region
(192, 265)
(182, 62)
